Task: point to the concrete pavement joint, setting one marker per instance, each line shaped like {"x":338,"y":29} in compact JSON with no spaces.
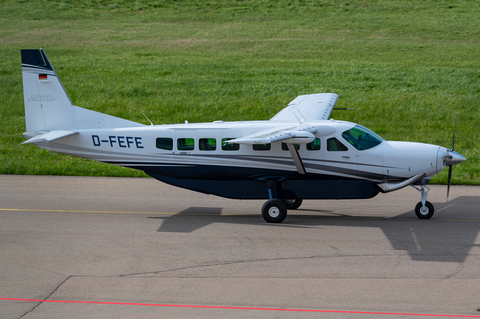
{"x":46,"y":299}
{"x":273,"y":259}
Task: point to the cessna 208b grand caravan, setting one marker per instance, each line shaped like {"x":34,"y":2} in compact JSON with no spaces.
{"x":297,"y":154}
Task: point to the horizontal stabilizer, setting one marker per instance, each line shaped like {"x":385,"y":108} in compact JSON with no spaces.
{"x":50,"y":136}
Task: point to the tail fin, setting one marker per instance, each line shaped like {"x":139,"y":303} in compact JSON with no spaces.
{"x":48,"y":106}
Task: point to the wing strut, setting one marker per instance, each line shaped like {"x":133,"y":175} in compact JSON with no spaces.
{"x":296,"y":158}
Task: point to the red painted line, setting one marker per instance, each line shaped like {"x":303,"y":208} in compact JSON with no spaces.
{"x":242,"y":308}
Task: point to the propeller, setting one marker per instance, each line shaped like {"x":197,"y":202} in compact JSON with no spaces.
{"x":452,"y":158}
{"x":450,"y":168}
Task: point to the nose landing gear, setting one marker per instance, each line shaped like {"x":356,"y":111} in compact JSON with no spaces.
{"x":424,"y":209}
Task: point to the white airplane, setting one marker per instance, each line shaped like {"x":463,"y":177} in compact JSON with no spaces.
{"x":297,"y":154}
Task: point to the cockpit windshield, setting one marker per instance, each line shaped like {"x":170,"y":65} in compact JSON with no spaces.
{"x":362,"y":138}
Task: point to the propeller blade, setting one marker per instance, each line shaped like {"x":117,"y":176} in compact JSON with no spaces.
{"x":449,"y":180}
{"x":451,"y":158}
{"x":453,"y":138}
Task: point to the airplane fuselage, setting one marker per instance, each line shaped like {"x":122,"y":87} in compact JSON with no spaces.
{"x":197,"y":156}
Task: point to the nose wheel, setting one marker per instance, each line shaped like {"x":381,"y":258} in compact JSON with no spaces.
{"x":424,"y":211}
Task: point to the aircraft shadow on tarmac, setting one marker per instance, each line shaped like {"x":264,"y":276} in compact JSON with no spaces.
{"x":447,"y":237}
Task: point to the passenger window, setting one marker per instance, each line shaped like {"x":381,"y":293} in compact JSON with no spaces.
{"x":185,"y":144}
{"x":262,"y":147}
{"x":314,"y":146}
{"x":285,"y":147}
{"x":229,"y":146}
{"x":207,"y":144}
{"x":165,"y":143}
{"x":334,"y":145}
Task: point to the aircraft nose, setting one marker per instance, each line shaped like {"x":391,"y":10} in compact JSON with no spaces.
{"x":453,"y":158}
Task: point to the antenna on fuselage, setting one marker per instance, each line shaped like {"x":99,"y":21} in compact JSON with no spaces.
{"x":343,"y":108}
{"x":148,"y":119}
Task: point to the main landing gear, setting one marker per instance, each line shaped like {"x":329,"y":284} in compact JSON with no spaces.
{"x":275,"y":210}
{"x":424,"y":209}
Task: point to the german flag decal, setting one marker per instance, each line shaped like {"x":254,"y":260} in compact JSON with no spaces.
{"x":42,"y":77}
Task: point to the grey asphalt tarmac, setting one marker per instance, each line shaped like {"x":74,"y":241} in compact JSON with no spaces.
{"x":137,"y":248}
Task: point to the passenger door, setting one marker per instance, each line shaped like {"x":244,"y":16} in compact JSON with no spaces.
{"x":340,"y":158}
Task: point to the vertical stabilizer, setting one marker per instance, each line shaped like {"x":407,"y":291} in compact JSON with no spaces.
{"x":47,"y":105}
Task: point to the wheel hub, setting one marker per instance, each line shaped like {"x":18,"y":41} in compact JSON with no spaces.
{"x":424,"y":210}
{"x":273,"y":212}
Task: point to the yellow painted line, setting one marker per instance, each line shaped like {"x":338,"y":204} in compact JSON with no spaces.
{"x":79,"y":211}
{"x":238,"y":215}
{"x":102,"y":212}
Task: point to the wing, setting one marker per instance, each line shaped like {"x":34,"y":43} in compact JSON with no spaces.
{"x":299,"y":133}
{"x":308,"y":107}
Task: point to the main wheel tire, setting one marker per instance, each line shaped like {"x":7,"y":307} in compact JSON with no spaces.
{"x":274,"y":211}
{"x":293,"y":203}
{"x":424,"y":212}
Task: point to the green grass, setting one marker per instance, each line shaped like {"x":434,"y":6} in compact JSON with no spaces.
{"x":407,"y":67}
